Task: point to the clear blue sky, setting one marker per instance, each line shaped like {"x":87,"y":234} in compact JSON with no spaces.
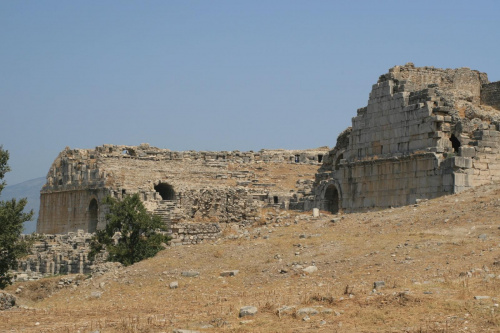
{"x":214,"y":75}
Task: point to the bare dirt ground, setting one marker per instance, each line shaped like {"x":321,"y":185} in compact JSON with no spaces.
{"x":435,"y":259}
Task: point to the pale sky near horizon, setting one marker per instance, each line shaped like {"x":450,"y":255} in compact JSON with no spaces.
{"x":214,"y":75}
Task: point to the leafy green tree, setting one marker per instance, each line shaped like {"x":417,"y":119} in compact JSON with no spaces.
{"x":12,"y":217}
{"x":130,"y":234}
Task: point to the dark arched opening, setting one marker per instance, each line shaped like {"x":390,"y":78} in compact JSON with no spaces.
{"x":93,"y":213}
{"x":332,"y":199}
{"x":166,"y":191}
{"x":455,"y":143}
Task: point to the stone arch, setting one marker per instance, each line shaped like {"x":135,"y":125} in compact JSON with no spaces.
{"x":93,"y":215}
{"x":331,"y":199}
{"x":166,"y":191}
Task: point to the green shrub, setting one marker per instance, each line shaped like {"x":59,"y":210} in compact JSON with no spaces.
{"x":131,"y":232}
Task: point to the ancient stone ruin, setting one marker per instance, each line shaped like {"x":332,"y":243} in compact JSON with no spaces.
{"x":56,"y":254}
{"x":211,"y":187}
{"x":425,"y":132}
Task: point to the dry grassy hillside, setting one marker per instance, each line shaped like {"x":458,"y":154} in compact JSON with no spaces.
{"x":435,"y":259}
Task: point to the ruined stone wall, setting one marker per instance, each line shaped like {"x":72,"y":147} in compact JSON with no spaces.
{"x":219,"y":204}
{"x":391,"y":125}
{"x":194,"y":233}
{"x":490,"y":95}
{"x":56,"y":254}
{"x":393,"y":182}
{"x":203,"y":186}
{"x":67,"y":211}
{"x":407,"y":112}
{"x":482,"y":156}
{"x":423,"y":134}
{"x":68,"y":253}
{"x":460,"y":79}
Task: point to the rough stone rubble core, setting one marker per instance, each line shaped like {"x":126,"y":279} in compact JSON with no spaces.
{"x":425,"y":132}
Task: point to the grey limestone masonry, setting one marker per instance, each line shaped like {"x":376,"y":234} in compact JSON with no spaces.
{"x":425,"y":132}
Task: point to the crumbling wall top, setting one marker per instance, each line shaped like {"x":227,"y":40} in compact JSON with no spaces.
{"x":462,"y":79}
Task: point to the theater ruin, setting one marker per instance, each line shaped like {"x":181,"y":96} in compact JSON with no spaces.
{"x":217,"y":187}
{"x":426,"y":132}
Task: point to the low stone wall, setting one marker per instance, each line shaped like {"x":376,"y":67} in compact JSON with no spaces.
{"x":194,"y":233}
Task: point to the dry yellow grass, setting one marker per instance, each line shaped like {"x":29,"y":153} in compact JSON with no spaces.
{"x":430,"y":256}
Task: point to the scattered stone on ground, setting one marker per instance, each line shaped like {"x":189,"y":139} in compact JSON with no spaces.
{"x":248,"y":311}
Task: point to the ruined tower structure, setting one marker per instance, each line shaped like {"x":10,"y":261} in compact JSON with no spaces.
{"x":425,"y":132}
{"x":217,"y":187}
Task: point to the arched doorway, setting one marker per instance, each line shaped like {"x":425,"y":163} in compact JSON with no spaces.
{"x":93,"y":213}
{"x":332,"y":199}
{"x":166,"y":191}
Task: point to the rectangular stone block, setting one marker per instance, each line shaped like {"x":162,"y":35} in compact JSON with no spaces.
{"x":480,"y":165}
{"x":494,"y":166}
{"x":462,"y":162}
{"x":467,"y":151}
{"x":461,"y":180}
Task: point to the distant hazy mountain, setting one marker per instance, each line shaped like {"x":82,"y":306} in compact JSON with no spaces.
{"x":29,"y":189}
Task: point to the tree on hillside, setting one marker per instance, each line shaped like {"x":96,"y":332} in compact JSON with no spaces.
{"x":130,"y":234}
{"x":12,"y":217}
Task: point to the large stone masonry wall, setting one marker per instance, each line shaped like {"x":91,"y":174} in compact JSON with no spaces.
{"x":400,"y":122}
{"x":490,"y":95}
{"x":425,"y":132}
{"x":67,"y":211}
{"x":393,"y":182}
{"x":400,"y":180}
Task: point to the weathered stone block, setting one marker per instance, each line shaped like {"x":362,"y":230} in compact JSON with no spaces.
{"x":467,"y":151}
{"x":462,"y":162}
